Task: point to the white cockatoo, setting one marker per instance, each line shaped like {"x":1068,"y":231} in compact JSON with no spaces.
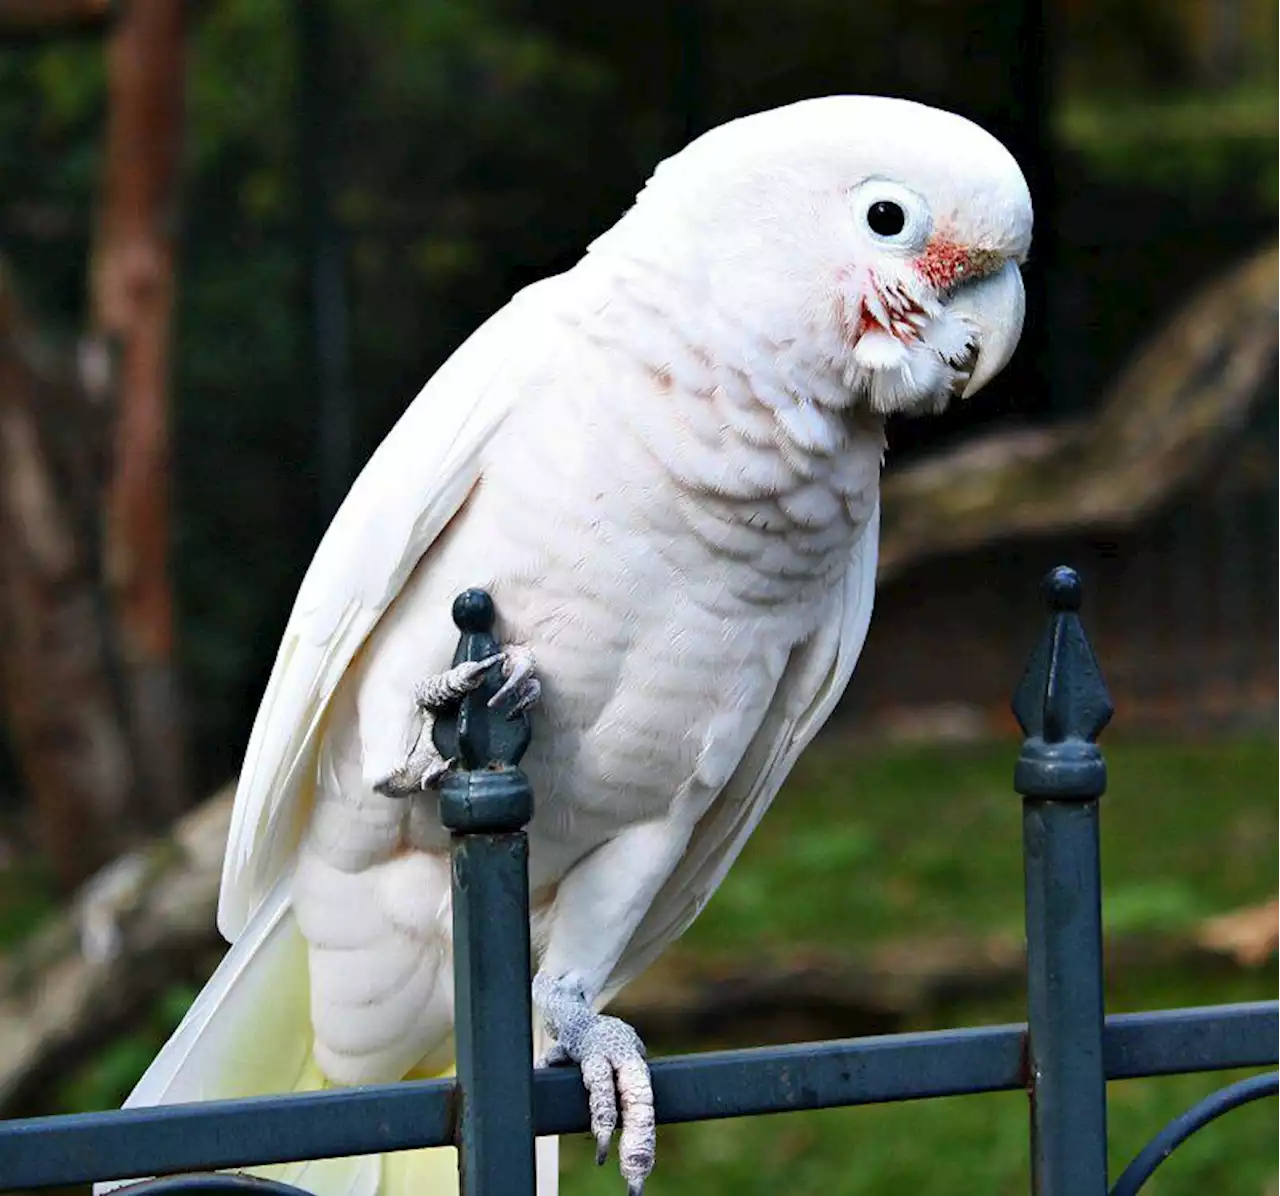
{"x":664,"y":465}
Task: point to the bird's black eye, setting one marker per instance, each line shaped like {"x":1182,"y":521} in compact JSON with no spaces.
{"x":886,"y":218}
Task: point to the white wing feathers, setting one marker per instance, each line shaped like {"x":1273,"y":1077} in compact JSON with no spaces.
{"x":810,"y":687}
{"x":403,"y":499}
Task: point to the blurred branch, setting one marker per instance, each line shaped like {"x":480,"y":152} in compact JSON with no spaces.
{"x":136,"y":927}
{"x":132,"y":301}
{"x":1185,"y":393}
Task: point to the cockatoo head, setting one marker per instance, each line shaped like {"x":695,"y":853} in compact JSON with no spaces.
{"x":876,"y":240}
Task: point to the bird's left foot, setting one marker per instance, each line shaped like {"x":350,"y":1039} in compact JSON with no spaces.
{"x":614,"y":1071}
{"x":425,"y":767}
{"x":520,"y":681}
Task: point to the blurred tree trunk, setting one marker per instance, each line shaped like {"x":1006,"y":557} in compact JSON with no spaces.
{"x":132,"y":301}
{"x":63,"y":709}
{"x":86,"y":622}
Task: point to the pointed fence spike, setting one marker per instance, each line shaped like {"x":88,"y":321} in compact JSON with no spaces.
{"x":1062,"y":703}
{"x":486,"y":791}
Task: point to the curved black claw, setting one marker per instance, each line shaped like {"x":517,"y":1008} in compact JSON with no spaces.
{"x":520,"y":680}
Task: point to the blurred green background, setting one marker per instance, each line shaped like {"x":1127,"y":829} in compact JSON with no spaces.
{"x":435,"y":155}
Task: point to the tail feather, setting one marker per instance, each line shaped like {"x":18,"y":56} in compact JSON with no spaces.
{"x":356,"y":1176}
{"x":248,"y":1033}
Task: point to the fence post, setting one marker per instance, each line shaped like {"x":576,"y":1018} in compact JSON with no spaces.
{"x":1062,"y":705}
{"x":486,"y":802}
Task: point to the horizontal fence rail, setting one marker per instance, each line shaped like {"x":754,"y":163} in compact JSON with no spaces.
{"x":51,"y":1151}
{"x":1062,"y":1057}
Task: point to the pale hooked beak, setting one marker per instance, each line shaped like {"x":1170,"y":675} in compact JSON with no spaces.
{"x":994,"y":307}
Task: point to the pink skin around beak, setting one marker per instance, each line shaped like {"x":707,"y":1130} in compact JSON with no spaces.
{"x":979,"y":286}
{"x":943,"y":264}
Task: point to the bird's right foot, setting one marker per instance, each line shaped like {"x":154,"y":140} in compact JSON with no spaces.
{"x":614,"y":1072}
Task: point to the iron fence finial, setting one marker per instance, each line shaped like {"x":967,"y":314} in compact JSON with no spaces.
{"x":485,"y":802}
{"x":1062,"y":703}
{"x":486,"y":791}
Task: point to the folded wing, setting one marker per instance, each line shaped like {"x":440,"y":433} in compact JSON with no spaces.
{"x":403,"y":499}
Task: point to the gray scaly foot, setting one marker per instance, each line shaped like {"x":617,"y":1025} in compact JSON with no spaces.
{"x":424,"y":766}
{"x":614,"y":1071}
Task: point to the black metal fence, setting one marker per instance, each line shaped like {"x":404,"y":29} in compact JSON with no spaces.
{"x":1063,"y":1057}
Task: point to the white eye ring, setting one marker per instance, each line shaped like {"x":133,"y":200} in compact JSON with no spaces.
{"x":890,"y":214}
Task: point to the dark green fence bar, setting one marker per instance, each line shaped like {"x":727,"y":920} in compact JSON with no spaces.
{"x":1062,"y":705}
{"x":486,"y":802}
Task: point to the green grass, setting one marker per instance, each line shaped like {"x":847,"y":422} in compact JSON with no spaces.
{"x":860,"y":848}
{"x":864,"y":848}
